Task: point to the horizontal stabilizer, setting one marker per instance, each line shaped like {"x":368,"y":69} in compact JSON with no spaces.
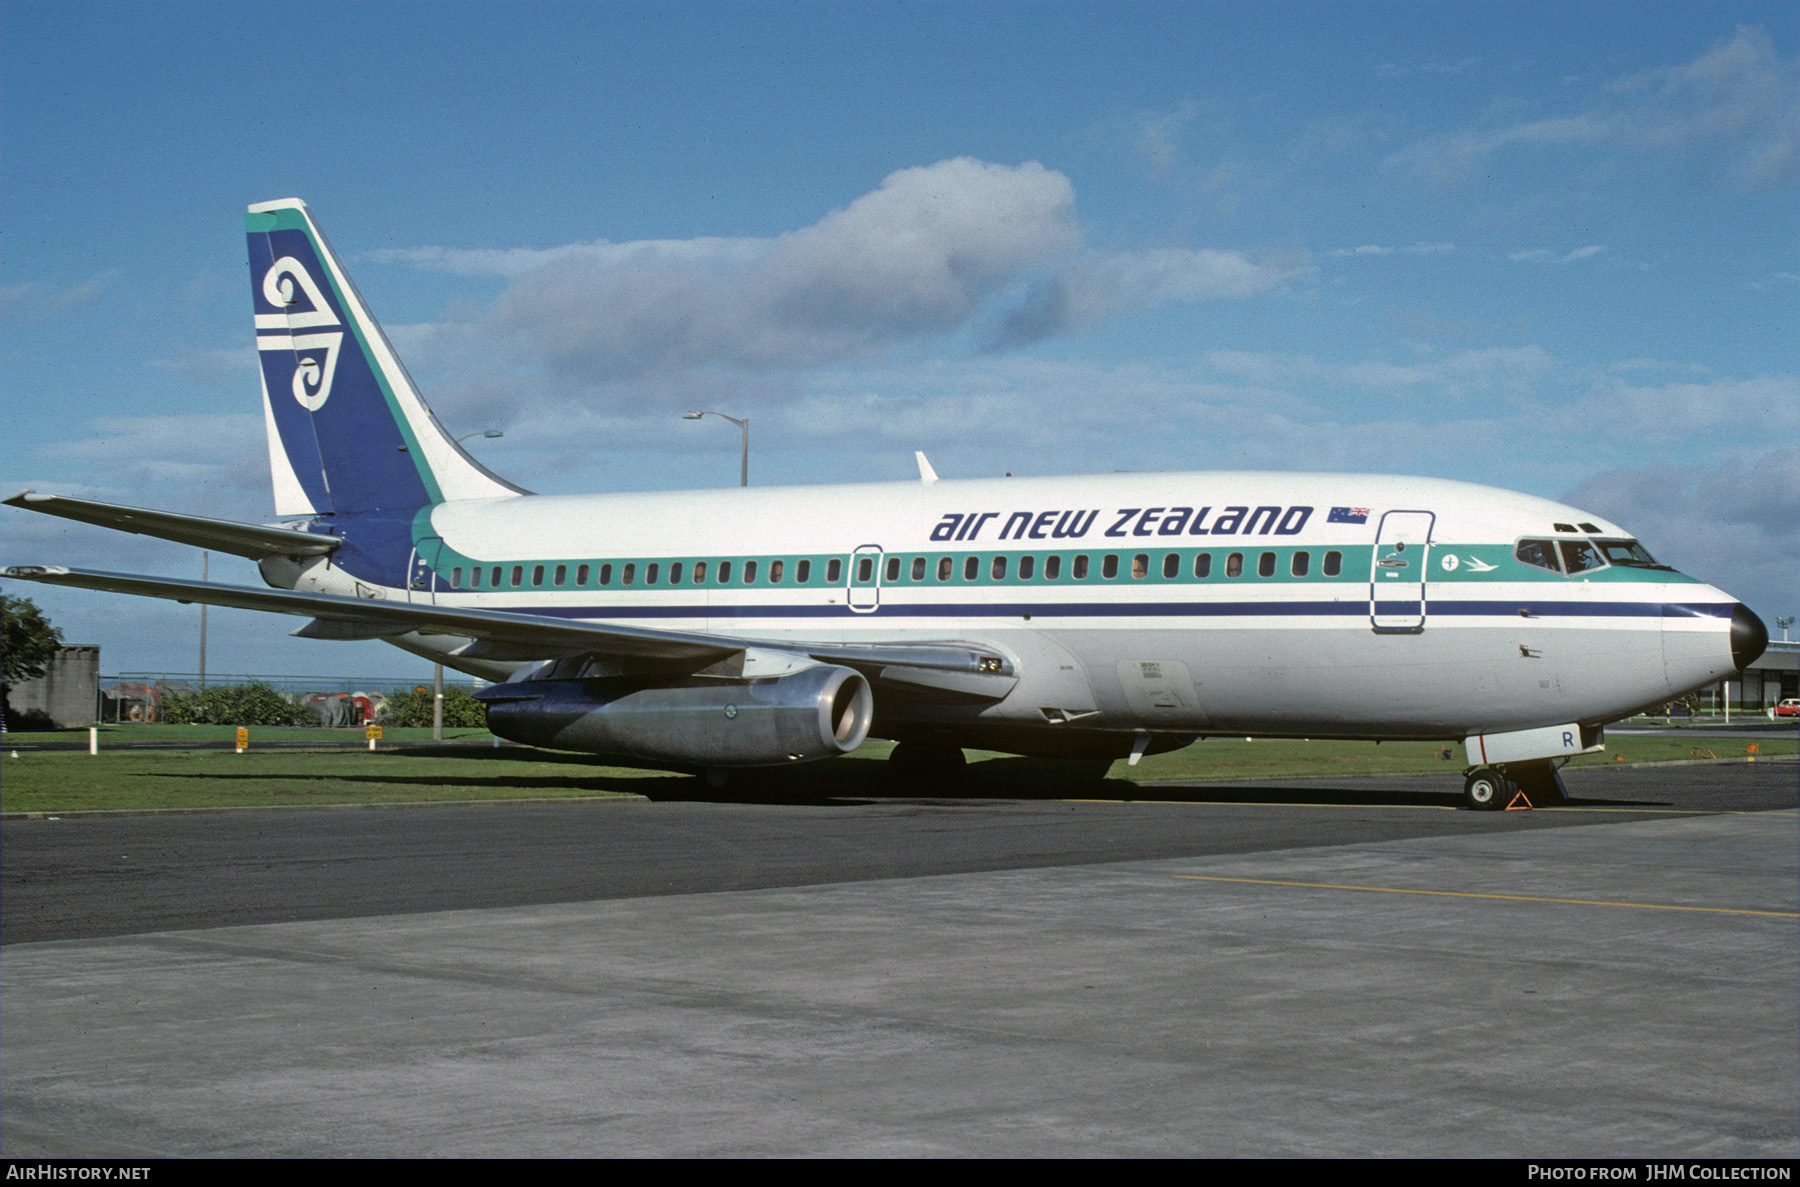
{"x":222,"y":535}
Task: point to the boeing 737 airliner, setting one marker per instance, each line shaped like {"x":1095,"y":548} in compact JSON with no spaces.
{"x":1094,"y":617}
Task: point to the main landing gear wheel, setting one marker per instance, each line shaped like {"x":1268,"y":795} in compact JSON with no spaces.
{"x":1486,"y":790}
{"x":926,"y":767}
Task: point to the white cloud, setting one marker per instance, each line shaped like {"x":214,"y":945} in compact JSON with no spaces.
{"x":178,"y":462}
{"x":1367,"y":249}
{"x":1762,"y":406}
{"x":1736,"y":524}
{"x":932,"y":252}
{"x":33,"y":300}
{"x":1539,"y":255}
{"x":1455,"y":375}
{"x":1737,"y":106}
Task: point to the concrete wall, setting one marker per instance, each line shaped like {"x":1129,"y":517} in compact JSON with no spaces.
{"x":64,"y":693}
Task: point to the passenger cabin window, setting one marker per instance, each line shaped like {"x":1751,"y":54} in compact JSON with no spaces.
{"x":1540,"y":554}
{"x":1052,"y":568}
{"x":775,"y":570}
{"x":494,"y":579}
{"x":1300,"y":564}
{"x":1109,"y":566}
{"x":749,"y":572}
{"x":560,"y":576}
{"x":802,"y":572}
{"x":699,"y":572}
{"x":630,"y":576}
{"x":475,"y":578}
{"x":1265,"y":565}
{"x":945,"y":565}
{"x":893,"y":569}
{"x":518,"y":575}
{"x":1234,"y":565}
{"x":1027,"y":566}
{"x":1334,"y":564}
{"x":1581,"y":555}
{"x":456,"y":577}
{"x":537,"y":574}
{"x":1203,"y":565}
{"x":1079,"y":569}
{"x":605,"y":574}
{"x":971,"y":568}
{"x":1172,"y":565}
{"x":918,"y":568}
{"x":998,"y":569}
{"x":581,"y":575}
{"x":650,"y":572}
{"x":865,"y":568}
{"x":724,"y":572}
{"x":675,"y":573}
{"x":1140,"y":566}
{"x":834,"y":571}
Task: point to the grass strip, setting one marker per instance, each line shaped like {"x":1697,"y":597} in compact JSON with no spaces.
{"x":266,"y":775}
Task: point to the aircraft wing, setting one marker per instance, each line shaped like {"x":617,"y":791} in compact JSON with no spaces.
{"x":223,"y":535}
{"x":952,"y":668}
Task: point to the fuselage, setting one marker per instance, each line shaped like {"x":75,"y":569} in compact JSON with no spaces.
{"x":1267,"y":603}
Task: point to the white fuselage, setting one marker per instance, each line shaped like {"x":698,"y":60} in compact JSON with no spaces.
{"x":1325,"y":605}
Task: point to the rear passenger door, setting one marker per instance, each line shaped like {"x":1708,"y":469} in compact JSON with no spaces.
{"x":862,"y":593}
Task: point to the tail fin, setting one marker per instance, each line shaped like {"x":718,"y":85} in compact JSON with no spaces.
{"x":347,"y":428}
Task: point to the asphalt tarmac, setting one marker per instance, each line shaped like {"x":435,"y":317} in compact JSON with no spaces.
{"x":1283,"y":967}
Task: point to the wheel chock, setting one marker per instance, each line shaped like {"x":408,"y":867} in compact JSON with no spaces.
{"x":1520,"y":803}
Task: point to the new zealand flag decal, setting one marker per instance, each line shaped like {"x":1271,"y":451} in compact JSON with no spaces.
{"x":1348,"y":515}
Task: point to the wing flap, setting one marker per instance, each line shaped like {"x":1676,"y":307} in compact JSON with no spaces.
{"x":255,"y":541}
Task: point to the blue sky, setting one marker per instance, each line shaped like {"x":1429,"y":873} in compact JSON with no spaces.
{"x":1548,"y":247}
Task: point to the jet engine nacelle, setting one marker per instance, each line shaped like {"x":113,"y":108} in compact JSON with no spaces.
{"x":817,"y":712}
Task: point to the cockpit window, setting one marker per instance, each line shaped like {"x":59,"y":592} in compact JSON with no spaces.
{"x":1629,"y":553}
{"x":1537,"y":553}
{"x":1581,"y":555}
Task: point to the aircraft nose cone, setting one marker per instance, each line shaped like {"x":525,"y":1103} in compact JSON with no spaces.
{"x":1749,"y":637}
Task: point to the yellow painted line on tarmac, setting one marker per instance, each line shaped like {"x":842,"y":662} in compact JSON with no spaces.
{"x":1263,"y":804}
{"x":1521,"y":898}
{"x":1436,"y":807}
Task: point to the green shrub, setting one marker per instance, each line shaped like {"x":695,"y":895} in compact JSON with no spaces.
{"x":413,"y":707}
{"x":243,"y":704}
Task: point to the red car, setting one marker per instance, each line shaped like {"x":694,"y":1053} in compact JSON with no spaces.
{"x":1788,"y":708}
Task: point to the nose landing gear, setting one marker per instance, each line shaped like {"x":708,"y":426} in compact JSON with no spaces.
{"x":1486,"y":790}
{"x":1491,"y":789}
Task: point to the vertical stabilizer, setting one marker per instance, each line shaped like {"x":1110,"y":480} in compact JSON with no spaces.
{"x":348,"y":431}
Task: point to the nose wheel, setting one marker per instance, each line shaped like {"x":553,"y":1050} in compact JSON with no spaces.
{"x":1487,"y":790}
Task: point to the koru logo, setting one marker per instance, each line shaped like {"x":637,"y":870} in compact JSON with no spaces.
{"x":288,"y":286}
{"x":1449,"y":562}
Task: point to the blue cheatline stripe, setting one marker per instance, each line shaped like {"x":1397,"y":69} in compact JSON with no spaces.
{"x":1357,"y":609}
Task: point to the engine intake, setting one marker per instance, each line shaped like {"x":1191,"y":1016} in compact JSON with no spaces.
{"x":815,"y":713}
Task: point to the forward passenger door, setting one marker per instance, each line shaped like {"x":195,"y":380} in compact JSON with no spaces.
{"x":1397,"y":571}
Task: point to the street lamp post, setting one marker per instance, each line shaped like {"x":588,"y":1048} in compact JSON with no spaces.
{"x":744,"y":462}
{"x":482,"y":433}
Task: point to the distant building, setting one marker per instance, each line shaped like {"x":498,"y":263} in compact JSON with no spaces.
{"x":1774,"y":677}
{"x":64,"y":696}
